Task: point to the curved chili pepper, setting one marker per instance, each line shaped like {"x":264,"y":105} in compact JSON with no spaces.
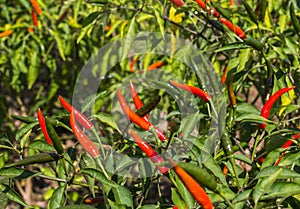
{"x":265,"y":111}
{"x":224,"y":76}
{"x":194,"y":90}
{"x":155,"y":65}
{"x":234,"y":28}
{"x":286,"y":145}
{"x":43,"y":126}
{"x":194,"y":188}
{"x":231,"y":91}
{"x":82,"y":119}
{"x":135,"y":118}
{"x":34,"y":18}
{"x":177,"y":3}
{"x":149,"y":151}
{"x":36,"y":6}
{"x":136,"y":99}
{"x":6,"y":33}
{"x":83,"y":139}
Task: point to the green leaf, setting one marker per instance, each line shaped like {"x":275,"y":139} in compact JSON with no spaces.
{"x":98,"y":175}
{"x":89,"y":19}
{"x":122,"y":196}
{"x":238,"y":45}
{"x":107,"y":119}
{"x":129,"y":39}
{"x":289,"y":159}
{"x":263,"y":185}
{"x":91,"y":100}
{"x":176,"y":199}
{"x":285,"y":174}
{"x":18,"y":173}
{"x":12,"y":195}
{"x":25,"y":129}
{"x":58,"y":198}
{"x":160,"y":22}
{"x":282,"y":189}
{"x":77,"y":207}
{"x":242,"y":196}
{"x":3,"y":197}
{"x":59,"y":42}
{"x":33,"y":70}
{"x":149,"y":207}
{"x":86,"y":161}
{"x":41,"y":146}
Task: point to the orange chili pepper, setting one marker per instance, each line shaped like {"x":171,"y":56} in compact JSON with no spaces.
{"x":136,"y":99}
{"x":36,"y":6}
{"x":135,"y":118}
{"x":156,"y":65}
{"x":34,"y":18}
{"x":149,"y":151}
{"x":132,"y":63}
{"x":30,"y":29}
{"x":194,"y":90}
{"x":234,"y":28}
{"x":224,"y":76}
{"x":194,"y":188}
{"x":231,"y":2}
{"x":6,"y":33}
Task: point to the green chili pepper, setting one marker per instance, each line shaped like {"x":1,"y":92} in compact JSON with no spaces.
{"x":37,"y":158}
{"x":25,"y":119}
{"x":201,"y":175}
{"x":54,"y":138}
{"x":226,"y":144}
{"x":263,"y":8}
{"x":254,"y":44}
{"x":250,"y":12}
{"x":294,"y":18}
{"x":222,"y":11}
{"x":148,"y":107}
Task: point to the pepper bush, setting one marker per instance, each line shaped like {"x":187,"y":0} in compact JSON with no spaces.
{"x":222,"y":132}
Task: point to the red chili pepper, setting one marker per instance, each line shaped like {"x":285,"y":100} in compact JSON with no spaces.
{"x":194,"y":90}
{"x":136,"y":99}
{"x":42,"y":123}
{"x":83,"y":139}
{"x":231,"y":2}
{"x":204,"y":6}
{"x":34,"y":18}
{"x":224,"y":76}
{"x":149,"y":151}
{"x":287,"y":144}
{"x":194,"y":188}
{"x":234,"y":28}
{"x":135,"y":118}
{"x":261,"y":159}
{"x":5,"y":33}
{"x":177,"y":3}
{"x":82,"y":119}
{"x":62,"y":17}
{"x":265,"y":111}
{"x":156,"y":65}
{"x":36,"y":6}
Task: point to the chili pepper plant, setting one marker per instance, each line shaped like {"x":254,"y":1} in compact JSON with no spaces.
{"x":161,"y":131}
